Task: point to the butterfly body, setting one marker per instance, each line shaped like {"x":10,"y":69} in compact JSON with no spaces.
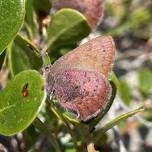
{"x":79,"y":80}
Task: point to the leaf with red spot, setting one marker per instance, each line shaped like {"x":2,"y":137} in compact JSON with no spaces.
{"x":20,"y":102}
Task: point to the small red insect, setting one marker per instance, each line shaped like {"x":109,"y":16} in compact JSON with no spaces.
{"x":25,"y":90}
{"x":79,"y":79}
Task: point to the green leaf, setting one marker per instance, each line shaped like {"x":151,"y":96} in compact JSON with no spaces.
{"x":123,"y":89}
{"x":145,"y":80}
{"x":67,"y":27}
{"x":30,"y":20}
{"x":21,"y":101}
{"x":124,"y":92}
{"x":23,"y":55}
{"x":11,"y":19}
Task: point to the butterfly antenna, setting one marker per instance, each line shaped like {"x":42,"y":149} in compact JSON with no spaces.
{"x":45,"y":56}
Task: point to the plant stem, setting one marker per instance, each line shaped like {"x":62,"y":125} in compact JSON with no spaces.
{"x":38,"y":124}
{"x":45,"y":56}
{"x":115,"y":121}
{"x":65,"y":121}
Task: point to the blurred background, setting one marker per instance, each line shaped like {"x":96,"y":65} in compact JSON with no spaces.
{"x":130,"y":24}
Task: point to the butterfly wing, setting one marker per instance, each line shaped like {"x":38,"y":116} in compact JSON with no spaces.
{"x":95,"y":55}
{"x":84,"y":93}
{"x":79,"y":78}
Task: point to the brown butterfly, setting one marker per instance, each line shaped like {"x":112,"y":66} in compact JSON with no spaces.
{"x":79,"y":79}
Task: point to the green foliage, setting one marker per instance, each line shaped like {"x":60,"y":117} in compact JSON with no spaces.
{"x":138,"y":17}
{"x":23,"y":55}
{"x":116,"y":11}
{"x":19,"y":104}
{"x":126,"y":23}
{"x":99,"y":133}
{"x":66,"y":28}
{"x":122,"y":88}
{"x":11,"y":18}
{"x":124,"y":92}
{"x":148,"y":115}
{"x":30,"y":21}
{"x":145,"y":80}
{"x":35,"y":13}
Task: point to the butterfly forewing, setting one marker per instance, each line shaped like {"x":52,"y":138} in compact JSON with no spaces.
{"x":95,"y":55}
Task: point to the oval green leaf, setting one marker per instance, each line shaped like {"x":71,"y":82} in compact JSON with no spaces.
{"x":21,"y":101}
{"x":23,"y":55}
{"x":11,"y":19}
{"x":67,"y":27}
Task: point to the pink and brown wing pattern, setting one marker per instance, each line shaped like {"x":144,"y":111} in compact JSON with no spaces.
{"x":79,"y":79}
{"x":85,"y":93}
{"x":95,"y":55}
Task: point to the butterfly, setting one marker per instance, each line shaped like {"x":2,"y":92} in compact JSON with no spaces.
{"x":79,"y":79}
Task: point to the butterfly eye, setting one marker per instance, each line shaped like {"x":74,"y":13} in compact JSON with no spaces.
{"x":46,"y":68}
{"x":46,"y":71}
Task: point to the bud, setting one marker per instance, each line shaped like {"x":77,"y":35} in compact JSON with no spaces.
{"x":79,"y":79}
